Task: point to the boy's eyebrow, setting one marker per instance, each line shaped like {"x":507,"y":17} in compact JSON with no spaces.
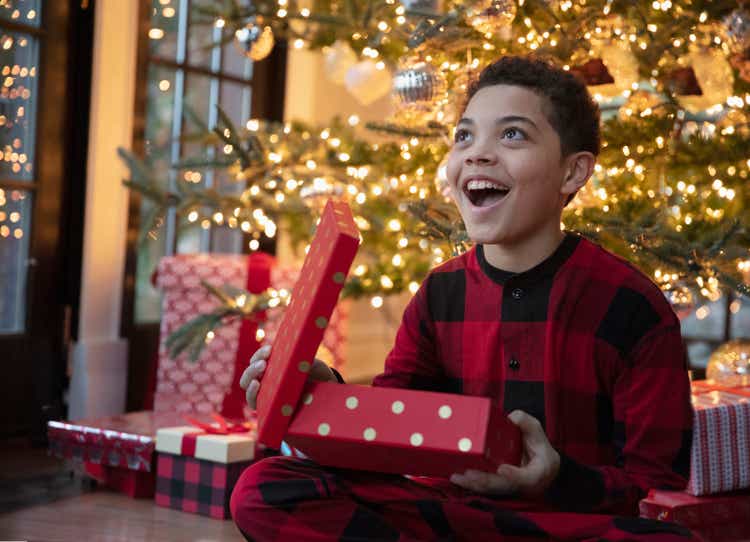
{"x":503,"y":120}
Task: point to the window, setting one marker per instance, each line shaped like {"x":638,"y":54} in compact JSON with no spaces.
{"x":19,"y":58}
{"x":189,"y":72}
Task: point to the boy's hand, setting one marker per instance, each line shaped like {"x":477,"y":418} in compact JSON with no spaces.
{"x":539,"y":465}
{"x":250,"y":379}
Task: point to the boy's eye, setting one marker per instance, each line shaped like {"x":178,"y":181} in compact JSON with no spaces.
{"x":513,"y":133}
{"x":461,"y":135}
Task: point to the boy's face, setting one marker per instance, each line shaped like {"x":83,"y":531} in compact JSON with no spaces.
{"x":505,"y":168}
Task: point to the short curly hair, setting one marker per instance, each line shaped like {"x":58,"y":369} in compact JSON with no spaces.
{"x":569,"y":108}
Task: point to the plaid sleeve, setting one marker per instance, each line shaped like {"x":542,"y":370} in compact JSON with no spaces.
{"x":413,"y":361}
{"x":652,"y":436}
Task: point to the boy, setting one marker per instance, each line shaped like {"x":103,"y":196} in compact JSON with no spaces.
{"x":581,"y":348}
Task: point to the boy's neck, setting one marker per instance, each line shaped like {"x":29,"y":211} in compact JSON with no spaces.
{"x":525,"y":255}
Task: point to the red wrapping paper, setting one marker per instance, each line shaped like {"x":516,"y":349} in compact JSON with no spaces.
{"x":402,"y":431}
{"x":715,"y":518}
{"x":305,"y":320}
{"x":125,"y":441}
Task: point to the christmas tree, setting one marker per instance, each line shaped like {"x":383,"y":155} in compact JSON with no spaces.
{"x":670,"y":188}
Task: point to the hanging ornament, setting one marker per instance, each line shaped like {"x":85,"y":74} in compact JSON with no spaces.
{"x":736,"y":30}
{"x":729,"y":365}
{"x":418,"y":89}
{"x":593,"y":73}
{"x":441,"y":179}
{"x":712,"y":73}
{"x":337,"y":59}
{"x":491,"y":16}
{"x":367,"y":82}
{"x":255,"y":41}
{"x":641,"y":103}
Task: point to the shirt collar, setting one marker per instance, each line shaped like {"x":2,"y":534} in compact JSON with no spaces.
{"x":544,"y":269}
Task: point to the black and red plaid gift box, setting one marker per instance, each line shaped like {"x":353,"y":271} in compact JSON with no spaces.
{"x":198,"y":466}
{"x":196,"y":485}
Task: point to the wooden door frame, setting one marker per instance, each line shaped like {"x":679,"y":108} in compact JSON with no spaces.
{"x":39,"y":355}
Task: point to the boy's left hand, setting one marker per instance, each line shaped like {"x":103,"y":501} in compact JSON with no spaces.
{"x":539,"y":465}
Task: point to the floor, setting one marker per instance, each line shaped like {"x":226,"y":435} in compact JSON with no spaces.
{"x":43,"y":498}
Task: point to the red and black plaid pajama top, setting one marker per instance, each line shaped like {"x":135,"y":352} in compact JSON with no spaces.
{"x":584,"y":342}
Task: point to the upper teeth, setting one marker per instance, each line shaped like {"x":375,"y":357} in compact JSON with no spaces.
{"x":480,"y":185}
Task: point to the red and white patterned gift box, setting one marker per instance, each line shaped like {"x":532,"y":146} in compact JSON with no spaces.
{"x":720,"y":457}
{"x":210,"y":385}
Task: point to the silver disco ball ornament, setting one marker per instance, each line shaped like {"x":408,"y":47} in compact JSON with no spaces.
{"x":255,"y":41}
{"x":729,"y":365}
{"x":419,"y":86}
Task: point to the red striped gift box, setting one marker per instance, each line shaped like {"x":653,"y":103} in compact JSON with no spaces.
{"x":720,"y":459}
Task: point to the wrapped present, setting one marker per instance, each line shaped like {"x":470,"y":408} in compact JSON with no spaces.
{"x":305,"y":320}
{"x":720,"y":456}
{"x":402,"y":431}
{"x":715,"y":517}
{"x":118,"y":451}
{"x":197,"y":467}
{"x":391,"y":430}
{"x":210,"y":385}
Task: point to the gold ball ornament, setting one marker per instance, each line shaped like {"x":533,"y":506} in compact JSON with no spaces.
{"x":714,"y":75}
{"x":490,"y":16}
{"x":255,"y":41}
{"x":641,"y":103}
{"x":729,"y":365}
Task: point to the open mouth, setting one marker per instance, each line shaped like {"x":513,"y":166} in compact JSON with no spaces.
{"x":483,"y":193}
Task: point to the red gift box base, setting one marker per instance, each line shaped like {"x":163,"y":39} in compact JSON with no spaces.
{"x":715,"y":518}
{"x":195,"y":485}
{"x":356,"y":427}
{"x":135,"y":484}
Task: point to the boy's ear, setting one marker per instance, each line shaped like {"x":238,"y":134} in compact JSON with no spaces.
{"x":579,"y":169}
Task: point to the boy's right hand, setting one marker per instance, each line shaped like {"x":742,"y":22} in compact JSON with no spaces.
{"x":250,"y":379}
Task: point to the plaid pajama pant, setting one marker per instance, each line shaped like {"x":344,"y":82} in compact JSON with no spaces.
{"x":291,"y":499}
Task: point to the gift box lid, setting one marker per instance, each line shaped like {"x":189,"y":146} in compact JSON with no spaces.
{"x":195,"y":442}
{"x":301,"y":330}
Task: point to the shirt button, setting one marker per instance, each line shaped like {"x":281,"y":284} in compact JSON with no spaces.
{"x":514,"y":364}
{"x":517,"y":293}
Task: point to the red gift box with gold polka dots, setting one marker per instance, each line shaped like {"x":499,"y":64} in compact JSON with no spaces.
{"x":301,"y":330}
{"x":402,"y":431}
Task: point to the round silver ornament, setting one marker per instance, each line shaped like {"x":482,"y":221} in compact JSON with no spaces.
{"x":419,"y":86}
{"x":255,"y":41}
